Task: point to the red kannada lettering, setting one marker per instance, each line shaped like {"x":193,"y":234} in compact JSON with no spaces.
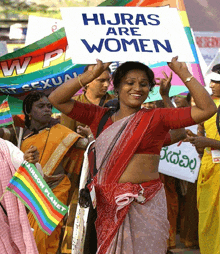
{"x":208,"y":42}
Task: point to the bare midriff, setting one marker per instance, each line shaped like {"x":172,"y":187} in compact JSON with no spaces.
{"x":141,"y":168}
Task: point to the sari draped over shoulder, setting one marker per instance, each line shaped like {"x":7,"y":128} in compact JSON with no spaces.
{"x":208,"y":196}
{"x":55,"y":146}
{"x":130,"y":217}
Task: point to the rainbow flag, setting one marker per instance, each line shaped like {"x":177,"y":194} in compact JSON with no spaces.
{"x":184,"y":95}
{"x":5,"y":115}
{"x":43,"y":65}
{"x":29,"y":186}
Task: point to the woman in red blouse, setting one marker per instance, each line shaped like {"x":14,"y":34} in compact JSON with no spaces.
{"x":131,"y":204}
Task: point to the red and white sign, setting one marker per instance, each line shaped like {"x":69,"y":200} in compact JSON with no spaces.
{"x":208,"y":43}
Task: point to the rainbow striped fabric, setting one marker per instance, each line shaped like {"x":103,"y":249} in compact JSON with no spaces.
{"x":5,"y":115}
{"x":42,"y":65}
{"x":29,"y":186}
{"x":184,"y":95}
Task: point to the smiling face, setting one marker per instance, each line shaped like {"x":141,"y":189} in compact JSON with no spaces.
{"x":215,"y":86}
{"x":41,"y":111}
{"x":133,"y":89}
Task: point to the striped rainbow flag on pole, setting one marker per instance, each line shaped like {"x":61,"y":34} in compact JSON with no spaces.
{"x":5,"y":115}
{"x":30,"y":187}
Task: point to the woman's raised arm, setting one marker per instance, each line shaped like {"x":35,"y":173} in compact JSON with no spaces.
{"x":205,"y":106}
{"x":61,"y":98}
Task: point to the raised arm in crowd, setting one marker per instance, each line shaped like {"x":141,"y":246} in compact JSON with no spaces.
{"x":204,"y":107}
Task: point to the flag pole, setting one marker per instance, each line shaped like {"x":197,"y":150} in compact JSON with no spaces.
{"x":15,"y":131}
{"x":13,"y":125}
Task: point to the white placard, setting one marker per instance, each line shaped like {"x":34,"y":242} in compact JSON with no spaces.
{"x":208,"y":43}
{"x":145,"y":34}
{"x":3,"y":48}
{"x":40,"y":27}
{"x":180,"y":161}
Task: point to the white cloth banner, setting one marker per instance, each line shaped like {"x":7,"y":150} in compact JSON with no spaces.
{"x":40,"y":27}
{"x":180,"y":161}
{"x":145,"y":34}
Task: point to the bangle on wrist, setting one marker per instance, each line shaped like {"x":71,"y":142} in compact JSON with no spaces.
{"x":188,"y":79}
{"x":80,"y":82}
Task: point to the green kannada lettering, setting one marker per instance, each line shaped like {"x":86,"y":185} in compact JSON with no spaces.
{"x":167,"y":159}
{"x":194,"y":166}
{"x":174,"y":158}
{"x":181,"y":163}
{"x":164,"y":151}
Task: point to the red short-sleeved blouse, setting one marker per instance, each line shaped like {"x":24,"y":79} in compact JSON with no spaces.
{"x":155,"y":137}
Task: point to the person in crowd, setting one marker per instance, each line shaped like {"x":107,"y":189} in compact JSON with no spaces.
{"x":96,"y":93}
{"x":60,"y":155}
{"x":151,"y":104}
{"x":182,"y":100}
{"x":207,"y":142}
{"x":131,"y":202}
{"x":187,"y":193}
{"x":172,"y":137}
{"x":169,"y":181}
{"x":171,"y":194}
{"x":16,"y":235}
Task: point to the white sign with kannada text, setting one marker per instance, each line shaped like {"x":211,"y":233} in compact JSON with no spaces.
{"x":180,"y":160}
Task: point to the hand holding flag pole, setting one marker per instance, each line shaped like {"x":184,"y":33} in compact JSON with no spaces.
{"x":30,"y":187}
{"x":5,"y":115}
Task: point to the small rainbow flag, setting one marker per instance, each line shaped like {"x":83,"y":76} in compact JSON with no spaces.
{"x":5,"y":115}
{"x":30,"y":187}
{"x":184,"y":94}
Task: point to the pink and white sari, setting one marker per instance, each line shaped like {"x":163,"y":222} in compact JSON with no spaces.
{"x":132,"y":218}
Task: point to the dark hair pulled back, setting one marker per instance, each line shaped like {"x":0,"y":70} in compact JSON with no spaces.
{"x":28,"y":103}
{"x":124,"y":68}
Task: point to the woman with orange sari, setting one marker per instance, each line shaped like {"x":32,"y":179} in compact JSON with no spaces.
{"x":131,"y":202}
{"x":60,"y":156}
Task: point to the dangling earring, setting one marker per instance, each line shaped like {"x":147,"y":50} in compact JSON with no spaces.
{"x":116,"y":94}
{"x":29,"y":117}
